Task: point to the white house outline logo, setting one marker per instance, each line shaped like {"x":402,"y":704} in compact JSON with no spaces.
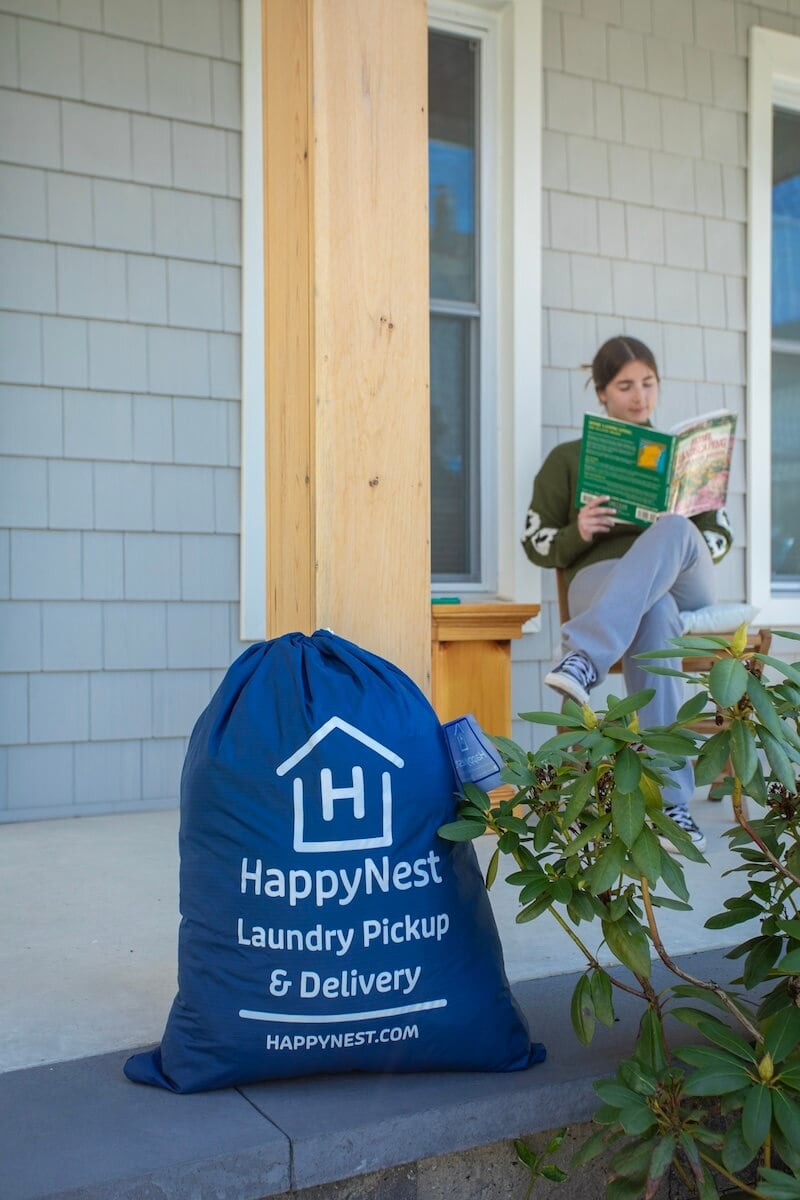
{"x":330,"y":795}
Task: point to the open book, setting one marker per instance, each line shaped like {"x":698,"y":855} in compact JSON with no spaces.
{"x":646,"y":472}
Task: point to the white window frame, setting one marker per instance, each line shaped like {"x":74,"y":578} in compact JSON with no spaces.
{"x":515,"y":357}
{"x":774,"y":79}
{"x":481,"y":25}
{"x":510,"y":274}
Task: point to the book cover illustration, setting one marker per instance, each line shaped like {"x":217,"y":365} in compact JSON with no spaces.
{"x":646,"y":472}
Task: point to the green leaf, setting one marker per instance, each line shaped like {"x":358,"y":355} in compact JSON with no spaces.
{"x":627,"y":810}
{"x":491,"y":870}
{"x":776,"y":1185}
{"x":646,"y":853}
{"x":580,"y":908}
{"x":743,"y":750}
{"x":668,"y":902}
{"x":707,"y":1189}
{"x":461,"y":831}
{"x":761,"y":700}
{"x":786,"y":1112}
{"x":592,"y":830}
{"x":602,"y":996}
{"x":562,"y":890}
{"x":790,"y":672}
{"x":756,"y":1115}
{"x":553,"y":1173}
{"x":650,"y":1042}
{"x":638,"y":1077}
{"x":778,"y":759}
{"x":477,"y":796}
{"x":628,"y":943}
{"x":692,"y":1152}
{"x":659,"y":1163}
{"x":624,"y":1189}
{"x":692,"y":708}
{"x":579,"y":797}
{"x":679,"y":838}
{"x":526,"y":1156}
{"x":627,"y":770}
{"x":534,"y":910}
{"x":632,"y":1159}
{"x":761,"y":960}
{"x":716,"y":1081}
{"x":606,"y":871}
{"x":590,"y":1149}
{"x":783,"y":1032}
{"x":790,"y":963}
{"x":787,"y":1150}
{"x":713,"y":758}
{"x":673,"y":744}
{"x":722,"y":1036}
{"x":613,"y":1093}
{"x":549,"y":718}
{"x":736,"y":1154}
{"x":582,"y":1011}
{"x":630,"y":704}
{"x":636,"y":1119}
{"x":556,"y":1141}
{"x":672,"y":874}
{"x":727,"y":681}
{"x":665,"y":670}
{"x":712,"y":1057}
{"x":735,"y":916}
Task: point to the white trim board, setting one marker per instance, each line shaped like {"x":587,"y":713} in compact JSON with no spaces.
{"x":774,"y":77}
{"x":253,"y":494}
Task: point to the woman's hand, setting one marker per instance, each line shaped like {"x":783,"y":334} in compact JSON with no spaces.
{"x":595,"y":517}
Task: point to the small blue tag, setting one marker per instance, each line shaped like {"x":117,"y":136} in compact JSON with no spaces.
{"x":474,"y":757}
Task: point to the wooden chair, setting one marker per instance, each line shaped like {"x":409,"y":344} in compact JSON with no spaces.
{"x":758,"y":641}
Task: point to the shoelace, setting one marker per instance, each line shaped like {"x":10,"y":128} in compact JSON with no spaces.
{"x":681,"y":818}
{"x":580,"y":668}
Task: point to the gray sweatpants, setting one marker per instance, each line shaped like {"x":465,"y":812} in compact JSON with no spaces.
{"x":624,"y":606}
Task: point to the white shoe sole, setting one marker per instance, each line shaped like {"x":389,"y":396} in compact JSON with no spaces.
{"x":567,"y":686}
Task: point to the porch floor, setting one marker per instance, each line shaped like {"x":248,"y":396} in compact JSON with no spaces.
{"x":87,"y":959}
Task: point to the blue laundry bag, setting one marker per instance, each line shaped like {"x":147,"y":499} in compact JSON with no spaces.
{"x":325,"y":925}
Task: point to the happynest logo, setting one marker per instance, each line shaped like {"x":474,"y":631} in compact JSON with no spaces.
{"x":344,"y":803}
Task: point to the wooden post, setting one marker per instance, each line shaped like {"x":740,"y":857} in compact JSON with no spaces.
{"x":346,"y":323}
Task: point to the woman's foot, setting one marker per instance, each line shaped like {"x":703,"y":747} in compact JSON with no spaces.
{"x":574,"y":676}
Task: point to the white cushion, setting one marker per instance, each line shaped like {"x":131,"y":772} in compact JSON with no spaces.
{"x":718,"y":618}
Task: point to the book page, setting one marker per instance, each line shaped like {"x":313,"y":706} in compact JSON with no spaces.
{"x":702,"y":463}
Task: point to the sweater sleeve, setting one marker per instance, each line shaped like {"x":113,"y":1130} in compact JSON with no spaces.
{"x":551,"y":537}
{"x":716,"y":529}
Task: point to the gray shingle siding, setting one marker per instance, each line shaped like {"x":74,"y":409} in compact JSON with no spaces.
{"x":644,"y":157}
{"x":119,"y":392}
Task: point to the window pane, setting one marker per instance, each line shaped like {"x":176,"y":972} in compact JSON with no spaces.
{"x":452,"y":154}
{"x":454,"y":441}
{"x":786,"y":226}
{"x":785,"y":473}
{"x":786,"y":351}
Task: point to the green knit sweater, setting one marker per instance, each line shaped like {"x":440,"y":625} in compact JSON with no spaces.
{"x":551,"y":537}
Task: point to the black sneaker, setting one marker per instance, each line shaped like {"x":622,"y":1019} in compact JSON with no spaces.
{"x":685,"y":822}
{"x":574,"y":677}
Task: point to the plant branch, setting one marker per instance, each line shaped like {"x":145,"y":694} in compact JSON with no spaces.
{"x":593,"y":961}
{"x":668,"y":962}
{"x":738,"y":812}
{"x":718,"y":1167}
{"x":687,"y":1180}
